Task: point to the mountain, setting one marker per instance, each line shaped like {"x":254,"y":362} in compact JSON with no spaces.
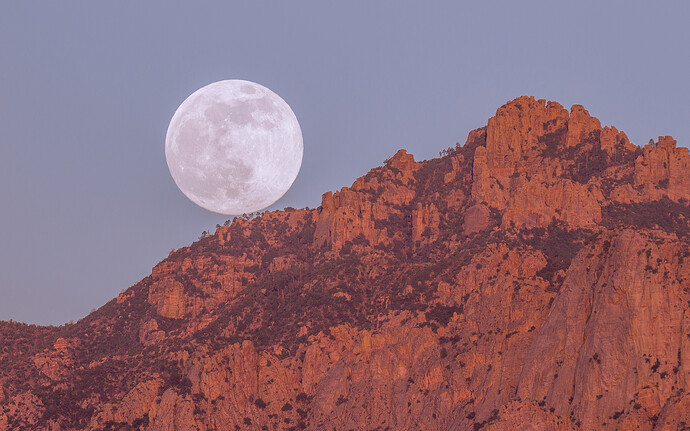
{"x":537,"y":277}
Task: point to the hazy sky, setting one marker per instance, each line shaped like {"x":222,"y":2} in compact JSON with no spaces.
{"x":87,"y":90}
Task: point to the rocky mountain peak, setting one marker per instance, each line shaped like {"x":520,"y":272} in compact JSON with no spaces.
{"x":539,"y":274}
{"x":402,"y":161}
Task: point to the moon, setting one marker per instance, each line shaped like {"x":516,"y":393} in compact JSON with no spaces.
{"x":234,"y":147}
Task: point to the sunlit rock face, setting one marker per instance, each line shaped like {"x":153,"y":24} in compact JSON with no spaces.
{"x":537,"y":277}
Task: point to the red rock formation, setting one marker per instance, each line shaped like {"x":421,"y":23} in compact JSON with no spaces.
{"x":425,"y":222}
{"x":477,"y":218}
{"x":664,"y":170}
{"x":516,"y":171}
{"x":537,"y":277}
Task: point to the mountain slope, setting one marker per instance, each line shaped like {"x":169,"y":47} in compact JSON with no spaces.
{"x":538,"y":274}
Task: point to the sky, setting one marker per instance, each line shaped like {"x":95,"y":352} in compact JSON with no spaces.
{"x":87,"y":90}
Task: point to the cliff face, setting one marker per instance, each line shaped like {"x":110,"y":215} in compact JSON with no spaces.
{"x":537,"y":277}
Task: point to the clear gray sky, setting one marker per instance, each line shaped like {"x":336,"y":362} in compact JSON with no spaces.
{"x":87,"y":90}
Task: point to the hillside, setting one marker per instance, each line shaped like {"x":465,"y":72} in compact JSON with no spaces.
{"x":538,"y":275}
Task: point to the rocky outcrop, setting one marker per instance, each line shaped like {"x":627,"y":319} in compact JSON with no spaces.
{"x":139,"y":405}
{"x":534,"y":205}
{"x":353,"y":212}
{"x":56,"y":362}
{"x":614,"y":337}
{"x":516,"y":173}
{"x":664,"y":170}
{"x":425,"y":222}
{"x":344,"y":216}
{"x":477,"y":218}
{"x":192,"y":285}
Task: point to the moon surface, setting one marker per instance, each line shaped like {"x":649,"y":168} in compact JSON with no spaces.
{"x":234,"y":147}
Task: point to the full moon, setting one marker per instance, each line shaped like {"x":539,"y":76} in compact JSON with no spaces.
{"x":234,"y":147}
